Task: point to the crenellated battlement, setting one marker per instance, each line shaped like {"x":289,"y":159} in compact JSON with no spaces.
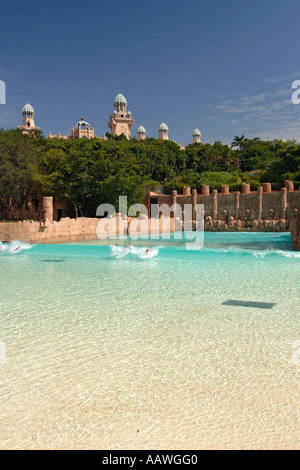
{"x":246,"y":210}
{"x":263,"y":210}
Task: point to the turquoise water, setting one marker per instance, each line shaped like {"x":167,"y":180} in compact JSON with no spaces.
{"x":109,"y":348}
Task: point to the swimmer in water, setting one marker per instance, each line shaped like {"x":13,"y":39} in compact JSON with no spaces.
{"x":17,"y":248}
{"x":148,"y":251}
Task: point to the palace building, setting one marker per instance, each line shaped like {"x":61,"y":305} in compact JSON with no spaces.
{"x":163,"y":132}
{"x":196,"y":137}
{"x":141,"y":132}
{"x":28,"y":119}
{"x":81,"y":130}
{"x":120,"y":122}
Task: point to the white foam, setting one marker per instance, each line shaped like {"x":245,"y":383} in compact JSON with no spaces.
{"x":256,"y":253}
{"x":14,"y":247}
{"x":285,"y":254}
{"x":141,"y":252}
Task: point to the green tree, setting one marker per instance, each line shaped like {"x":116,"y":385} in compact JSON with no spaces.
{"x":19,"y":161}
{"x":238,"y":142}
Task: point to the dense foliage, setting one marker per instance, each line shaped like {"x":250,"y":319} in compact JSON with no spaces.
{"x":20,"y":158}
{"x":90,"y":172}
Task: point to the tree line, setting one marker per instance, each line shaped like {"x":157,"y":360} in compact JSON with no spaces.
{"x":91,"y":172}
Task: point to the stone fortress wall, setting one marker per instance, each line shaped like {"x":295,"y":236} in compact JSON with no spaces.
{"x":66,"y":230}
{"x":261,"y":210}
{"x":50,"y":231}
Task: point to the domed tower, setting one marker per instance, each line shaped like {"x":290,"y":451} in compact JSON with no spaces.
{"x":28,"y":119}
{"x":196,"y":137}
{"x":120,"y":103}
{"x":141,"y":132}
{"x":163,"y":132}
{"x":121,"y":120}
{"x":82,"y":130}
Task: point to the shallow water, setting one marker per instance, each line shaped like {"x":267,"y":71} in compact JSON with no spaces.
{"x":108,"y":351}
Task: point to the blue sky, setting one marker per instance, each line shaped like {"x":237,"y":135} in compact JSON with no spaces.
{"x":225,"y":67}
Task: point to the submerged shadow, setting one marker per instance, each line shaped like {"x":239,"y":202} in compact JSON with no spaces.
{"x":242,"y":303}
{"x":53,"y":260}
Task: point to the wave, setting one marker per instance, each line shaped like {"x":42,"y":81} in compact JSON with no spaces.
{"x":257,"y":253}
{"x":142,"y":253}
{"x":286,"y":254}
{"x":132,"y":251}
{"x":14,"y":247}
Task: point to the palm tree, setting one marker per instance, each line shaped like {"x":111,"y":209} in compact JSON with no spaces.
{"x":237,"y":141}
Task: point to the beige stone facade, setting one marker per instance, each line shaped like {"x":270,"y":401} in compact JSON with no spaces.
{"x":81,"y":130}
{"x":141,"y":132}
{"x":196,"y":137}
{"x":262,"y":210}
{"x":163,"y":132}
{"x":28,"y":124}
{"x":121,"y":120}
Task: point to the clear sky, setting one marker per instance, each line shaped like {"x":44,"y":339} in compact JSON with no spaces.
{"x":225,"y":67}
